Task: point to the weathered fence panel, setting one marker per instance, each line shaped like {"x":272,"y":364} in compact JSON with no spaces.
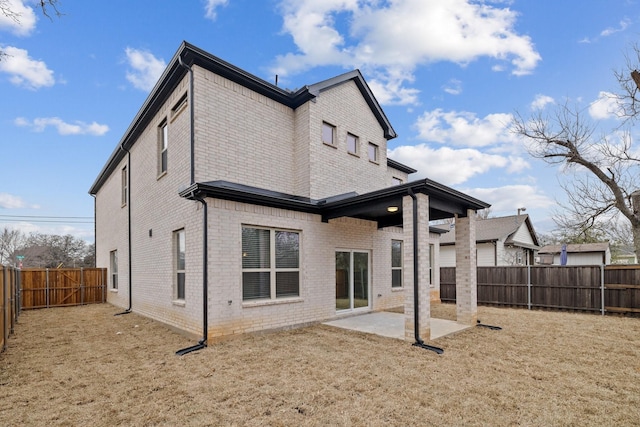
{"x":584,"y":288}
{"x":42,"y":288}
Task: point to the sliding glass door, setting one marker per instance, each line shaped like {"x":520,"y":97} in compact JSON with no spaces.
{"x":352,"y":280}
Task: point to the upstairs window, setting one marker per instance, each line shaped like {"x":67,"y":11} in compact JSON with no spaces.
{"x":125,"y":186}
{"x":396,"y":181}
{"x":163,"y":143}
{"x":328,"y":134}
{"x":352,"y":144}
{"x":373,"y":152}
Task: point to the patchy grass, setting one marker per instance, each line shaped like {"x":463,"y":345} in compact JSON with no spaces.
{"x":83,"y":366}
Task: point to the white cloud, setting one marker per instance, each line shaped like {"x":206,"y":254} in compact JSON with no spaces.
{"x":453,"y":87}
{"x":464,"y":128}
{"x":393,"y":38}
{"x":23,"y":20}
{"x":210,"y":7}
{"x":541,"y":101}
{"x":24,"y":70}
{"x":622,"y":26}
{"x":505,"y":200}
{"x":605,"y":107}
{"x":446,"y":165}
{"x":77,"y":128}
{"x":9,"y":201}
{"x":146,"y":68}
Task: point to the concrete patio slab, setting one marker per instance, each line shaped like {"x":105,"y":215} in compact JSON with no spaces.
{"x":392,"y":325}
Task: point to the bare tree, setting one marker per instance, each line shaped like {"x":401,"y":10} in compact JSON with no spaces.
{"x":606,"y":167}
{"x":10,"y":241}
{"x":47,"y":7}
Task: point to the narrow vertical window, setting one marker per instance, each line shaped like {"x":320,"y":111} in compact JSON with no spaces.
{"x":125,"y":186}
{"x":373,"y":152}
{"x":180,"y":252}
{"x":396,"y":263}
{"x":352,"y":144}
{"x":163,"y":143}
{"x":431,"y":262}
{"x":113,"y":261}
{"x":328,"y":133}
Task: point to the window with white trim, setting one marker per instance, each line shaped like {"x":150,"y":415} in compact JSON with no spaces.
{"x":352,"y":144}
{"x":180,"y":249}
{"x":328,"y":133}
{"x":270,"y":263}
{"x":113,"y":262}
{"x":396,"y":263}
{"x":163,"y":144}
{"x":396,"y":181}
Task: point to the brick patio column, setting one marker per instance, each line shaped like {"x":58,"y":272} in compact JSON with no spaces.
{"x":424,"y":304}
{"x":466,"y":269}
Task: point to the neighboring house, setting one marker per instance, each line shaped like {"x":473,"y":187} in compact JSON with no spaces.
{"x":508,"y":240}
{"x":231,"y":205}
{"x":577,"y":254}
{"x":623,"y":255}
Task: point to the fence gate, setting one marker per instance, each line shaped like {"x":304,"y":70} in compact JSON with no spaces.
{"x":60,"y":287}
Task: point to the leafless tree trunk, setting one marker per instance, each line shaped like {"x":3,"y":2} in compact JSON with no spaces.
{"x":567,"y":137}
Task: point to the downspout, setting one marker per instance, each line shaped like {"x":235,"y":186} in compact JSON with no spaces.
{"x":205,"y":283}
{"x":416,"y":318}
{"x":192,"y":138}
{"x":128,"y":310}
{"x":205,"y":232}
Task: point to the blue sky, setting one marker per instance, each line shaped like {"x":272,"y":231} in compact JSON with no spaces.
{"x":449,"y":74}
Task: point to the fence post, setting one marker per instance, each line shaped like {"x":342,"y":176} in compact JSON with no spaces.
{"x":47,"y":287}
{"x":18,"y":293}
{"x":602,"y":289}
{"x":529,"y":287}
{"x":81,"y":286}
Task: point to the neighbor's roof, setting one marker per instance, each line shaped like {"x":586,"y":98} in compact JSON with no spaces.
{"x":493,"y":229}
{"x":575,"y":248}
{"x":189,"y":55}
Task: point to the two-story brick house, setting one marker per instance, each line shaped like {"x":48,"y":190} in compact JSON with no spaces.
{"x":231,"y":205}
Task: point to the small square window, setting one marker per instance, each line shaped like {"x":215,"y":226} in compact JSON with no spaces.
{"x":328,"y":133}
{"x":373,"y":152}
{"x":352,"y":144}
{"x":396,"y":181}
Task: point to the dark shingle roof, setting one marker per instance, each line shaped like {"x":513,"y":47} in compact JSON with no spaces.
{"x":492,"y":229}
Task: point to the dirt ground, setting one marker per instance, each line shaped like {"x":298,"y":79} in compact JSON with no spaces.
{"x":83,"y":366}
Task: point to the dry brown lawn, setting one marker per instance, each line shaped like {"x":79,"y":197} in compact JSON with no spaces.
{"x":83,"y":366}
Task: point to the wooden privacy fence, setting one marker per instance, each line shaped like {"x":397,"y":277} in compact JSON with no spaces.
{"x":9,"y":298}
{"x":585,"y":288}
{"x":42,"y":288}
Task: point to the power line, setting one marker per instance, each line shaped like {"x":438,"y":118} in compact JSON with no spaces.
{"x":47,"y":216}
{"x":48,"y":219}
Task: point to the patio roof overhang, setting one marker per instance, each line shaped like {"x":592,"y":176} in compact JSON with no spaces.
{"x":444,"y":202}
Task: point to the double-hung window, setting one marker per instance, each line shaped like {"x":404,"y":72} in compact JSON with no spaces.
{"x":113,"y":262}
{"x":180,"y":248}
{"x":163,"y":143}
{"x":270,"y":263}
{"x":396,"y":263}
